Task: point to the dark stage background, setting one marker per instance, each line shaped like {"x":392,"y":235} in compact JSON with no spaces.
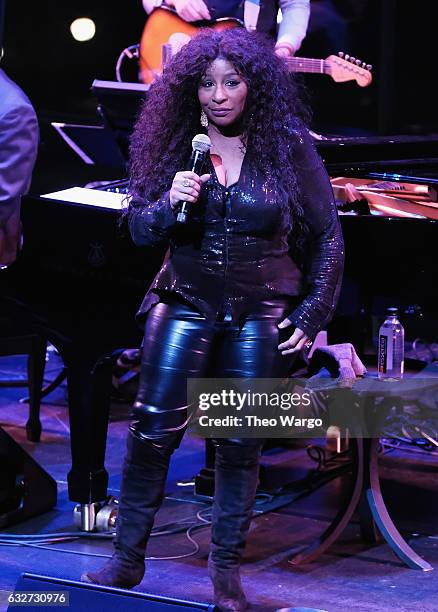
{"x":397,"y":37}
{"x":55,"y":70}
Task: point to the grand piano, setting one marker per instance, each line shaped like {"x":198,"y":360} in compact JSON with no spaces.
{"x":389,"y":254}
{"x":79,"y":280}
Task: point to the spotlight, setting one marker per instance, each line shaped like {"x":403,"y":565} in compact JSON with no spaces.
{"x":83,"y":29}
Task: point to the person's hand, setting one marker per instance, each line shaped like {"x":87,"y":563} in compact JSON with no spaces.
{"x":191,"y":10}
{"x":284,"y":50}
{"x":148,"y":6}
{"x":186,"y":187}
{"x":296,"y":342}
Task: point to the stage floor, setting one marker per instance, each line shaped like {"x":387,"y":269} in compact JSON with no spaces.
{"x":351,"y":577}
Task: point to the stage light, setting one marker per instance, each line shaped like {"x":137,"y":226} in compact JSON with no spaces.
{"x":83,"y":29}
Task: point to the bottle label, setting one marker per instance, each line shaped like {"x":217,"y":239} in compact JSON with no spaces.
{"x":385,"y":352}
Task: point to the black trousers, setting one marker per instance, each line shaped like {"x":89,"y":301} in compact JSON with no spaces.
{"x":179,"y":344}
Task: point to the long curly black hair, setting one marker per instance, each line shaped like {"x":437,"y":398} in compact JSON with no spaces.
{"x":169,"y":119}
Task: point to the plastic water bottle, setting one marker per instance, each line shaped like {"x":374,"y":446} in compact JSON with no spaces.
{"x":391,"y":347}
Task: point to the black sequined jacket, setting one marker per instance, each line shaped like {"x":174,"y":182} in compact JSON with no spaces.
{"x":235,"y":251}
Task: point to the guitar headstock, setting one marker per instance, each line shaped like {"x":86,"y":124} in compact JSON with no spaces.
{"x":344,"y":67}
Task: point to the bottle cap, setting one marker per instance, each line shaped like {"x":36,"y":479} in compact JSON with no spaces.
{"x":393,"y":312}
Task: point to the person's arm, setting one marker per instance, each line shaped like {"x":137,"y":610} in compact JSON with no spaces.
{"x":18,"y":150}
{"x":325,"y":252}
{"x":151,"y":223}
{"x":293,"y":27}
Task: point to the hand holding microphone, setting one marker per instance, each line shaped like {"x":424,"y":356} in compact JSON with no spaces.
{"x":187,"y":184}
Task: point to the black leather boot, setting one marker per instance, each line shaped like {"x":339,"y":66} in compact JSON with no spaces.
{"x":236,"y":479}
{"x":142,"y":491}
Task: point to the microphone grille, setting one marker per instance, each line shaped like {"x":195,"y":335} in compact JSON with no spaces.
{"x":201,"y":142}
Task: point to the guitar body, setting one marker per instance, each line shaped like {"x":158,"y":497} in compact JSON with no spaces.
{"x":161,"y":26}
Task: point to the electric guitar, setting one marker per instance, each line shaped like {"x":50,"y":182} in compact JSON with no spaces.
{"x":165,"y":33}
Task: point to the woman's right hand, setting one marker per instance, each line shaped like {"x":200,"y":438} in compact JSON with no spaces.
{"x":186,"y":187}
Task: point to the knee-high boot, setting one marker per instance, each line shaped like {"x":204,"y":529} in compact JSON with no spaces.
{"x":142,"y":491}
{"x":236,"y":479}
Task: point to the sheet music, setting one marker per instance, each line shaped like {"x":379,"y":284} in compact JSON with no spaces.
{"x":90,"y":197}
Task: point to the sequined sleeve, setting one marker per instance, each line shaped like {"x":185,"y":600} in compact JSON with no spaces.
{"x":150,"y":223}
{"x":325,"y":252}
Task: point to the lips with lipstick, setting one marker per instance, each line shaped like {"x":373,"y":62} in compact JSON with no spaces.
{"x":220,"y":112}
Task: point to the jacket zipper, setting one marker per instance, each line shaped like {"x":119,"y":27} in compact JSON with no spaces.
{"x":227,"y":213}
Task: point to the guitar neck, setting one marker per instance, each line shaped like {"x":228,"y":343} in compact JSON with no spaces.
{"x":306,"y":64}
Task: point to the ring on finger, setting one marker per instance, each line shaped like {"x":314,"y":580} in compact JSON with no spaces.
{"x":187,"y":182}
{"x":308,"y":345}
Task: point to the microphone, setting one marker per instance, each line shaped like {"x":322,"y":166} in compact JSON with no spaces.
{"x":201,"y":145}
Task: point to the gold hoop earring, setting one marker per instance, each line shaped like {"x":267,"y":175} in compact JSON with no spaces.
{"x":204,"y":119}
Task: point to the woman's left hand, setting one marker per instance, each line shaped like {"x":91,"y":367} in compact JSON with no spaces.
{"x":296,"y":342}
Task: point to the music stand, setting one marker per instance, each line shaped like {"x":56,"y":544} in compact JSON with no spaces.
{"x":107,"y":144}
{"x":94,"y":144}
{"x":119,"y":105}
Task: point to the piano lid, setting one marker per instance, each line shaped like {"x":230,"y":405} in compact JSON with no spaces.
{"x":401,"y":154}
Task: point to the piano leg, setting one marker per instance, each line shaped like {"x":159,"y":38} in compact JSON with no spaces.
{"x":36,"y":364}
{"x":87,"y":515}
{"x":89,"y":386}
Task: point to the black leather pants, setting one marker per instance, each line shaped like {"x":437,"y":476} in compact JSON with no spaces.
{"x":180,"y":343}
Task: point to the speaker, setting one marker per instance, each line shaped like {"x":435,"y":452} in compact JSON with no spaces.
{"x":79,"y":596}
{"x":26,"y":489}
